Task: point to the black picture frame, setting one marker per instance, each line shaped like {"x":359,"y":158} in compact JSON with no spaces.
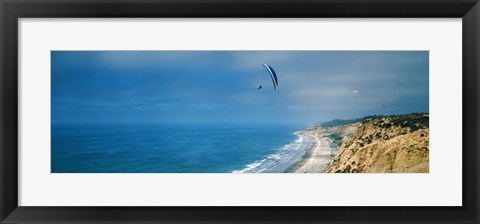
{"x":12,"y":10}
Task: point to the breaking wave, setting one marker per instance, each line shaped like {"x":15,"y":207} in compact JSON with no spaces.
{"x":283,"y":158}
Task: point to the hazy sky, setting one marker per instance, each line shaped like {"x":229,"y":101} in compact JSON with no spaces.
{"x":221,"y":86}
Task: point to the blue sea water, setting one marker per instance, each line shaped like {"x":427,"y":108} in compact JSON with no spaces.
{"x":175,"y":148}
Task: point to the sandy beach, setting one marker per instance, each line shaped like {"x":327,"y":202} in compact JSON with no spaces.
{"x":319,"y":156}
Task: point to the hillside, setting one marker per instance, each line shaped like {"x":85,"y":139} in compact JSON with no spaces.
{"x":388,"y":144}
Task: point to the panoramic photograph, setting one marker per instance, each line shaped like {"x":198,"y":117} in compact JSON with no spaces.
{"x":237,"y":112}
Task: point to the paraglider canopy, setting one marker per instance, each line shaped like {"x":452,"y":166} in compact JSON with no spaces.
{"x":272,"y":75}
{"x":354,"y":93}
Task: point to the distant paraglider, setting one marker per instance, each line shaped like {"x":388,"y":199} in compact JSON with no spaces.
{"x":273,"y":75}
{"x":387,"y":109}
{"x":355,"y":92}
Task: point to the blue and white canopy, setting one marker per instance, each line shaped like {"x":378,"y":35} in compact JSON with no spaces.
{"x":272,"y":75}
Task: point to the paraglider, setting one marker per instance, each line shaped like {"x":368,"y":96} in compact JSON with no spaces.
{"x":387,"y":109}
{"x":355,"y":92}
{"x":273,"y":75}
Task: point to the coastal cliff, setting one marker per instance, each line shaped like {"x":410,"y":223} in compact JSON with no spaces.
{"x":386,"y":144}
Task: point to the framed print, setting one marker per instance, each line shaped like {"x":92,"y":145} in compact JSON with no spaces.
{"x":248,"y":112}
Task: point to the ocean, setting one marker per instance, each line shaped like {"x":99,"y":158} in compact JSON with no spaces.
{"x":176,"y":148}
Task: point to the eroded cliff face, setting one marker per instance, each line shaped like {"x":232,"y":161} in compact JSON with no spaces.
{"x":393,"y":144}
{"x":337,"y":134}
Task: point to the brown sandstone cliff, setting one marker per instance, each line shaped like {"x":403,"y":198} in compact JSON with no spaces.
{"x":391,"y":144}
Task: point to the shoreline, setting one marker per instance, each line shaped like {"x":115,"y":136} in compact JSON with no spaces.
{"x":294,"y":167}
{"x":317,"y":158}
